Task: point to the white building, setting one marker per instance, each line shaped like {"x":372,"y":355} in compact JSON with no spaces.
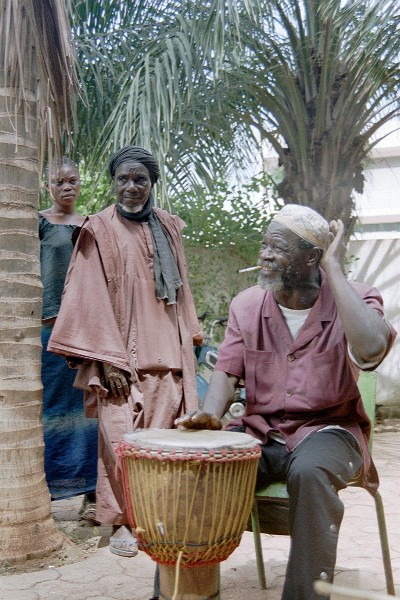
{"x":374,"y":254}
{"x":379,"y":206}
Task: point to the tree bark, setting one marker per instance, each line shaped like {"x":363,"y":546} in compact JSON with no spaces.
{"x":27,"y":529}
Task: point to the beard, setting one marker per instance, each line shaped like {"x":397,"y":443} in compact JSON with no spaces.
{"x":282,"y":279}
{"x":132,"y":209}
{"x":275,"y":284}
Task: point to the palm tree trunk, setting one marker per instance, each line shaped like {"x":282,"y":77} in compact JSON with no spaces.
{"x":27,"y":529}
{"x":37,"y":80}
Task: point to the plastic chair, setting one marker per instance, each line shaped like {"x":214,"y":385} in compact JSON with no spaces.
{"x":276,"y":493}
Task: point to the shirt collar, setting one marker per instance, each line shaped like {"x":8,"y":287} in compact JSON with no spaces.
{"x":322,"y":310}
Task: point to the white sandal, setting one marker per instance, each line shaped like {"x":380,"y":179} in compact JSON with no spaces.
{"x":123,"y":543}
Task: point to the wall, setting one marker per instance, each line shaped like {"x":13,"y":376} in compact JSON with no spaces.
{"x":377,"y":262}
{"x":214,"y":278}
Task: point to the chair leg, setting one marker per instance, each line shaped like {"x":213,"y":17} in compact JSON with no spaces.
{"x":219,"y":581}
{"x":387,"y":564}
{"x":255,"y":525}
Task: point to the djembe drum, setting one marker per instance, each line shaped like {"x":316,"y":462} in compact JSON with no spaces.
{"x":189,"y":495}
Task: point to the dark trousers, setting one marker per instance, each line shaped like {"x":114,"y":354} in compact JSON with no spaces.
{"x":156,"y":590}
{"x":321,"y":465}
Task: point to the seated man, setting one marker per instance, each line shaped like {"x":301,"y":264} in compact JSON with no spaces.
{"x":299,"y":339}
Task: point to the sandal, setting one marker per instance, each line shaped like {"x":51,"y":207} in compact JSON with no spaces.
{"x":89,"y":514}
{"x":87,"y":511}
{"x":123,"y":543}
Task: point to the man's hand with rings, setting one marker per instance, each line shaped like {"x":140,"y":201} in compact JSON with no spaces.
{"x":116,"y":381}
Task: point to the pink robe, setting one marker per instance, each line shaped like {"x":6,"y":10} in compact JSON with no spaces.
{"x":110,"y":313}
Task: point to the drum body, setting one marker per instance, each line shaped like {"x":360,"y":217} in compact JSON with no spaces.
{"x":189,"y":495}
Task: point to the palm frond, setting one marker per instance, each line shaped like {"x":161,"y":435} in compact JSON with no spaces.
{"x":169,"y":70}
{"x":45,"y":71}
{"x":329,"y":80}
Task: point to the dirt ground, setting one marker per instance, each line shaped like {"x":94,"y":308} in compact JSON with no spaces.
{"x":81,"y":539}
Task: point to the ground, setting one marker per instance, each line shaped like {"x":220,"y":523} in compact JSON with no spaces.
{"x":81,"y":539}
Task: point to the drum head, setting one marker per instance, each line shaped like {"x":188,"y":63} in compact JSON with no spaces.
{"x":190,"y":438}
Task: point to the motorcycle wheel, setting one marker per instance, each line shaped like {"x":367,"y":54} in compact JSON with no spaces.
{"x":236,"y":410}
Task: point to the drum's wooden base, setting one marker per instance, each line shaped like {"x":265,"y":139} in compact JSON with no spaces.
{"x":195,"y":583}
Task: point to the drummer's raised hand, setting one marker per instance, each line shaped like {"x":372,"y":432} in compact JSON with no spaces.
{"x":116,"y":381}
{"x":199,"y":420}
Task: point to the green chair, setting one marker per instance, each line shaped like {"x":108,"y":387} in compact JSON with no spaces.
{"x":276,"y":495}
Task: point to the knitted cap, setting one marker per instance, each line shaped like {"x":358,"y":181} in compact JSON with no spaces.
{"x":306,"y":223}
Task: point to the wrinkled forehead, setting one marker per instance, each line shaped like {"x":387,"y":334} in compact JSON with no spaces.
{"x":277,"y":230}
{"x":132,"y":166}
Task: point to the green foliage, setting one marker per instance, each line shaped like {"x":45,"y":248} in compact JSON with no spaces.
{"x":151,"y":75}
{"x":200,"y":82}
{"x":95,"y":194}
{"x":324,"y":75}
{"x":228,"y":217}
{"x":223,"y":233}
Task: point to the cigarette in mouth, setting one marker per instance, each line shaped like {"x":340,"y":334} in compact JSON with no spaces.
{"x":257,"y":268}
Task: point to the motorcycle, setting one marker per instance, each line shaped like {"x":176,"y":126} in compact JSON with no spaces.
{"x":207,"y":356}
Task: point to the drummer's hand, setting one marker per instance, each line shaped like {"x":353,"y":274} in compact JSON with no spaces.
{"x":116,"y":381}
{"x":199,"y":420}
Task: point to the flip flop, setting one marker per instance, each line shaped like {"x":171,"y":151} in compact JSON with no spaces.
{"x":123,"y":543}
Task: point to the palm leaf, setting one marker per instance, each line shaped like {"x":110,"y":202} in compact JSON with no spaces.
{"x":169,"y":69}
{"x":329,"y":77}
{"x":46,"y":22}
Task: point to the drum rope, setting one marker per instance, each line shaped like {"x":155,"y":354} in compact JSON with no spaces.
{"x":188,"y":505}
{"x":125,"y":450}
{"x":177,"y":572}
{"x":218,"y":527}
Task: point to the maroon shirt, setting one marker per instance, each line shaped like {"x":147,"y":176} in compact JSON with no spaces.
{"x":296,"y":387}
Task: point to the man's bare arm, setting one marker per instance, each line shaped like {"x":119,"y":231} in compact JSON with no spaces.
{"x":219,"y":396}
{"x":366,"y":331}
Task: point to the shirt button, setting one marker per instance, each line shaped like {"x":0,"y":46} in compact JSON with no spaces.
{"x":323,"y":576}
{"x":289,"y":393}
{"x":333,"y":528}
{"x":290,"y":357}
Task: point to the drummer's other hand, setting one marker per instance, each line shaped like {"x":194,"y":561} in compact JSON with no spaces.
{"x":199,"y":420}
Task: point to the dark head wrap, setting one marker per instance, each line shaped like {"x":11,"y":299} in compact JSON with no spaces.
{"x":166,"y":273}
{"x":135,"y":154}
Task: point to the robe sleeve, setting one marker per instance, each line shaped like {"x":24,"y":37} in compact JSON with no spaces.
{"x":86,"y":326}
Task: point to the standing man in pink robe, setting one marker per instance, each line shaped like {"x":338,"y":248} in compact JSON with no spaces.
{"x":128,"y":323}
